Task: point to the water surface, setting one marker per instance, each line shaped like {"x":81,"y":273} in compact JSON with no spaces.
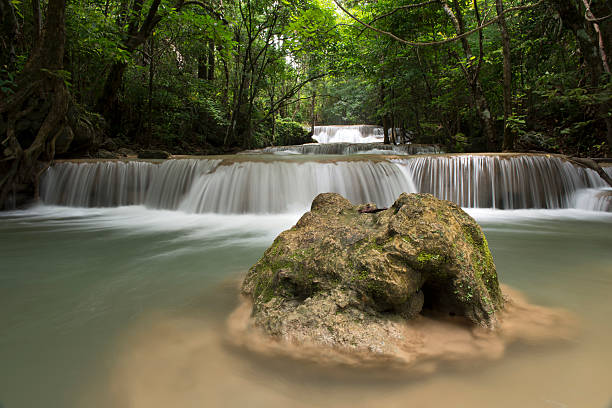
{"x":125,"y":307}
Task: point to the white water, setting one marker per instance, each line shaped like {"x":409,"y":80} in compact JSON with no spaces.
{"x":348,"y":134}
{"x":594,"y":199}
{"x":116,"y":183}
{"x":277,"y":186}
{"x":501,"y":181}
{"x":206,"y":186}
{"x":350,"y":148}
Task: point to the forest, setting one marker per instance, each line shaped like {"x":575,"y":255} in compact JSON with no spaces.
{"x":305,"y":203}
{"x":88,"y":77}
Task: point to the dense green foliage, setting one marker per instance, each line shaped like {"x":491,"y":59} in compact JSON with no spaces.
{"x":290,"y":133}
{"x":220,"y":75}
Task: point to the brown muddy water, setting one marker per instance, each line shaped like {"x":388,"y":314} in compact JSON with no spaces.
{"x":128,"y":307}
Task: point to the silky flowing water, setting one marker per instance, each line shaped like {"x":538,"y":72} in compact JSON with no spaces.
{"x":126,"y":303}
{"x":126,"y":307}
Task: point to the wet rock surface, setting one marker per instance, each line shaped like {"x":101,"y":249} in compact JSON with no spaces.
{"x":350,"y":279}
{"x":153,"y":154}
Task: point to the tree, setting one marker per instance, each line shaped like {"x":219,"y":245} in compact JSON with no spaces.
{"x":34,"y":112}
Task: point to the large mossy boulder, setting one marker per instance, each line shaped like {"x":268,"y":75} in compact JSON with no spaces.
{"x":346,"y":275}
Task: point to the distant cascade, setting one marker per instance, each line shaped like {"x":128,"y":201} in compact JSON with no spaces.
{"x":348,"y":134}
{"x":281,"y":185}
{"x":351,"y":148}
{"x":504,"y":182}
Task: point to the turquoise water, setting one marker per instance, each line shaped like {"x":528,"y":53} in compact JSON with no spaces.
{"x":125,"y":307}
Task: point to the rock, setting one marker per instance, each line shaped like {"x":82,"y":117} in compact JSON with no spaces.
{"x":348,"y":279}
{"x":536,"y":142}
{"x":109,"y":144}
{"x":153,"y":154}
{"x":125,"y":152}
{"x":63,"y":141}
{"x":88,"y":129}
{"x":105,"y":154}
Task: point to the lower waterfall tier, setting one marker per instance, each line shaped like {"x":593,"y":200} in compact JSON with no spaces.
{"x":227,"y":185}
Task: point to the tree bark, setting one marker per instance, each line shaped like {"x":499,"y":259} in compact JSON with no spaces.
{"x":508,"y":143}
{"x":472,"y":73}
{"x":107,"y":104}
{"x":573,"y":16}
{"x":385,"y":121}
{"x":137,"y":35}
{"x":211,"y":61}
{"x":8,"y":34}
{"x":312,"y":112}
{"x":37,"y":23}
{"x":202,"y":67}
{"x":41,"y":88}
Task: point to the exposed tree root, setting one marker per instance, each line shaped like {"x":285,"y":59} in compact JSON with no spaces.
{"x":28,"y":145}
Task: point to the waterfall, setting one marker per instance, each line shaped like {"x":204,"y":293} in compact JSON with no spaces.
{"x":255,"y":187}
{"x":505,"y":182}
{"x":117,"y":183}
{"x":350,"y":148}
{"x":201,"y":186}
{"x":592,"y":199}
{"x":348,"y":134}
{"x":240,"y":184}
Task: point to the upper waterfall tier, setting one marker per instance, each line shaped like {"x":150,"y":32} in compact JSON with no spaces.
{"x":348,"y":134}
{"x":350,"y":148}
{"x":240,"y":184}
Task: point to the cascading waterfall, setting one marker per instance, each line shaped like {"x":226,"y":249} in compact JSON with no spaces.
{"x":351,"y":148}
{"x":200,"y":186}
{"x":348,"y":134}
{"x":276,"y":186}
{"x":117,"y":183}
{"x":505,"y":182}
{"x":593,"y":199}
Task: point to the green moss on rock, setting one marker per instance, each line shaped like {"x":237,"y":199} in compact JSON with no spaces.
{"x":422,"y":253}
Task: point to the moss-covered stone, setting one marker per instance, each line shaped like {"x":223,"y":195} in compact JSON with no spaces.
{"x":420,"y":254}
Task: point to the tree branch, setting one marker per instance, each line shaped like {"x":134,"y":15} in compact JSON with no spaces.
{"x":405,"y":7}
{"x":289,"y":94}
{"x":448,"y":40}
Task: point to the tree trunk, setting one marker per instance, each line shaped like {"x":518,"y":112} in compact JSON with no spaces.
{"x":37,"y":23}
{"x":202,"y":67}
{"x":393,"y":131}
{"x":149,"y":133}
{"x":312,"y":113}
{"x":41,"y":93}
{"x":472,"y":74}
{"x":385,"y":121}
{"x":591,"y":45}
{"x":137,"y":34}
{"x":107,"y":104}
{"x":8,"y":34}
{"x":508,"y":143}
{"x":211,"y":61}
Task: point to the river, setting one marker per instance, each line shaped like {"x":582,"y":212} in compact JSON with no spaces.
{"x":125,"y":305}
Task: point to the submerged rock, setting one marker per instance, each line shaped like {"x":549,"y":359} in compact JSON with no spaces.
{"x":348,"y":279}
